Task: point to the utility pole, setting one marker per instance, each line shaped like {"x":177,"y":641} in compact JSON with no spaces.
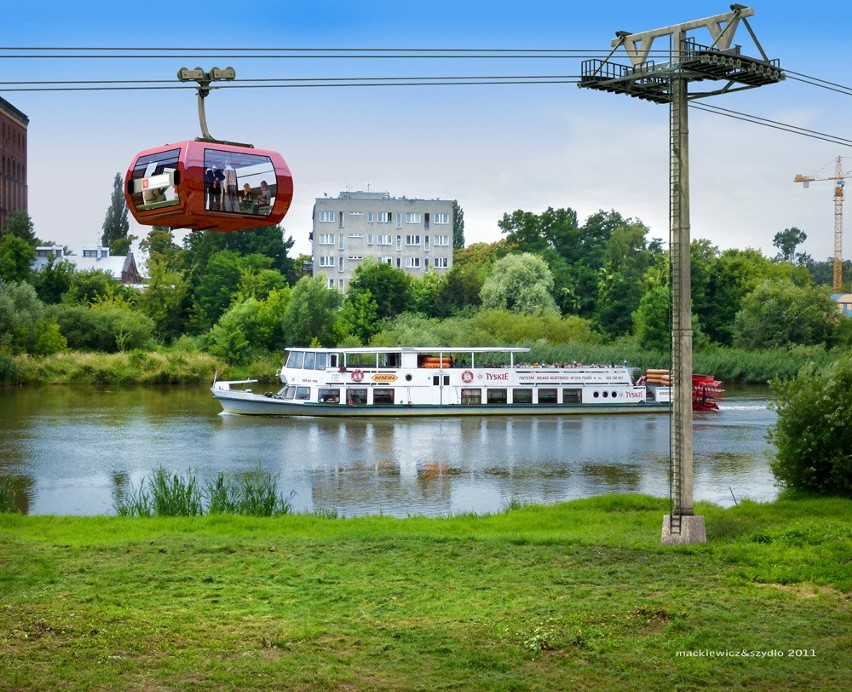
{"x":670,"y":82}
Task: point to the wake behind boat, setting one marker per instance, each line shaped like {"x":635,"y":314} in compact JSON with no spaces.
{"x":417,"y":381}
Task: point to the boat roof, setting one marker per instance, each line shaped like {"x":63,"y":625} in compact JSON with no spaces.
{"x":415,"y":349}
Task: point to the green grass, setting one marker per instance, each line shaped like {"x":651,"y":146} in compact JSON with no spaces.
{"x":581,"y":595}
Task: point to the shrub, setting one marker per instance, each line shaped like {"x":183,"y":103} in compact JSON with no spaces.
{"x":813,"y":437}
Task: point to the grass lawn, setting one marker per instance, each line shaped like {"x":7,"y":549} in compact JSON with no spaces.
{"x":580,"y":595}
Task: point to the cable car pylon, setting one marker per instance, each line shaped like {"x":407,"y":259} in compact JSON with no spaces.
{"x":670,"y":82}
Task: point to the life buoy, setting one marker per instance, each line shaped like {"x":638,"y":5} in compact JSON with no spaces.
{"x":467,"y":376}
{"x":357,"y":375}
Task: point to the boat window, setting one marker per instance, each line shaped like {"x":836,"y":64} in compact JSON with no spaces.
{"x":356,"y":397}
{"x":547,"y":396}
{"x":471,"y":397}
{"x":497,"y":396}
{"x":572,"y":396}
{"x":290,"y":392}
{"x":321,"y":361}
{"x":310,"y":359}
{"x":332,"y":360}
{"x":390,"y":360}
{"x":294,"y":360}
{"x":303,"y":393}
{"x":382,"y":396}
{"x":329,"y":396}
{"x":522,"y":396}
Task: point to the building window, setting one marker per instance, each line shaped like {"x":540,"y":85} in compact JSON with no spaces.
{"x":412,"y":263}
{"x":385,"y":217}
{"x":412,"y":240}
{"x":399,"y":242}
{"x":342,"y":216}
{"x":340,"y":265}
{"x":413,"y":217}
{"x":386,"y":260}
{"x":441,"y":262}
{"x":399,"y":220}
{"x":326,"y":261}
{"x":441,"y":217}
{"x":327,"y":216}
{"x":384,"y":240}
{"x":442,"y":241}
{"x":326,"y":238}
{"x":341,"y":240}
{"x":369,"y":239}
{"x":371,"y":217}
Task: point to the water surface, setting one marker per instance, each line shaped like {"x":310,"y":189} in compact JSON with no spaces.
{"x":71,"y":447}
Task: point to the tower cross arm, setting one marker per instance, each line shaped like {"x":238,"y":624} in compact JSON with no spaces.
{"x":721,"y":27}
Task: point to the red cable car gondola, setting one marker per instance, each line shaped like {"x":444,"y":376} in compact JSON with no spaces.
{"x":208,"y":184}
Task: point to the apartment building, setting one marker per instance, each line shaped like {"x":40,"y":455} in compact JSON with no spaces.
{"x":414,"y":235}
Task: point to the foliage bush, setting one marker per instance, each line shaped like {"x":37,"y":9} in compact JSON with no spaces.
{"x":813,"y":436}
{"x":107,"y":327}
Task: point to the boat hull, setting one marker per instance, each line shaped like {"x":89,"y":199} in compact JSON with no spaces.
{"x":240,"y":402}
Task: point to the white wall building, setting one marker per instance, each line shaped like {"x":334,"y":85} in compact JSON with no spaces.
{"x":414,"y":235}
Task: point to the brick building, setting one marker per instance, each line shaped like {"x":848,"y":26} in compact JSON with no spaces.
{"x":13,"y":160}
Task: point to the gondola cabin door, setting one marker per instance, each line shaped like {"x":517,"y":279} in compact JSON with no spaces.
{"x":203,"y":185}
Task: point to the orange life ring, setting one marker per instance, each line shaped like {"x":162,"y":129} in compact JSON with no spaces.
{"x":357,"y":375}
{"x":467,"y":376}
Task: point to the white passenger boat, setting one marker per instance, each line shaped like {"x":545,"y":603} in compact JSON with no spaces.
{"x":408,"y":381}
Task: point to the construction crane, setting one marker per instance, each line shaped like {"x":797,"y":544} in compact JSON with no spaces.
{"x":839,"y":179}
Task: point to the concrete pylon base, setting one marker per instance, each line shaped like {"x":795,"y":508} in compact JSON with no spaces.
{"x":691,"y":531}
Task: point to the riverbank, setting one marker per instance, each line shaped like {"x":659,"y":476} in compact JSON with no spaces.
{"x":181,"y":366}
{"x":580,"y":595}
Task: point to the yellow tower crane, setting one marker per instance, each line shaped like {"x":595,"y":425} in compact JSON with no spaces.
{"x":839,"y":181}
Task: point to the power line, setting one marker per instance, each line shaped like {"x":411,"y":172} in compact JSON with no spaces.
{"x":805,"y":132}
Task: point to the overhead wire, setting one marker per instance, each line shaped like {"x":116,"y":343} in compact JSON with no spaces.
{"x":42,"y":52}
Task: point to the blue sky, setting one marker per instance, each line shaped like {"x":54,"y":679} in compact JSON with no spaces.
{"x":493,"y":148}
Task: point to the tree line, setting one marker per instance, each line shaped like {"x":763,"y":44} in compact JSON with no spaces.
{"x":549,"y":277}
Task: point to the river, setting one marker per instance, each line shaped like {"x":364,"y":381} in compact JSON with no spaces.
{"x":70,"y":447}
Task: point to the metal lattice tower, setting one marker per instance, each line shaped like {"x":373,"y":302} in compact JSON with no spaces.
{"x":672,"y":82}
{"x":839,"y":182}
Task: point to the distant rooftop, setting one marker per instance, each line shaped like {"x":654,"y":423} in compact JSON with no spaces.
{"x":13,"y":112}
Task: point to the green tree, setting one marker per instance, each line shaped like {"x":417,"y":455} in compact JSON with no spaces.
{"x":626,"y":260}
{"x":777,"y":314}
{"x":19,"y":224}
{"x":520,"y":283}
{"x":554,"y":230}
{"x":787,"y":241}
{"x":16,"y":258}
{"x":812,"y":436}
{"x":736,"y":274}
{"x":460,"y":290}
{"x":166,"y":298}
{"x":458,"y":225}
{"x":390,"y":288}
{"x":116,"y":225}
{"x":91,"y":285}
{"x":53,"y":281}
{"x":24,"y":326}
{"x":311,"y":314}
{"x":652,"y":319}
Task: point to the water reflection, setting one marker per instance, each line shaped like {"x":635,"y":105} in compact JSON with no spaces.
{"x":70,"y":448}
